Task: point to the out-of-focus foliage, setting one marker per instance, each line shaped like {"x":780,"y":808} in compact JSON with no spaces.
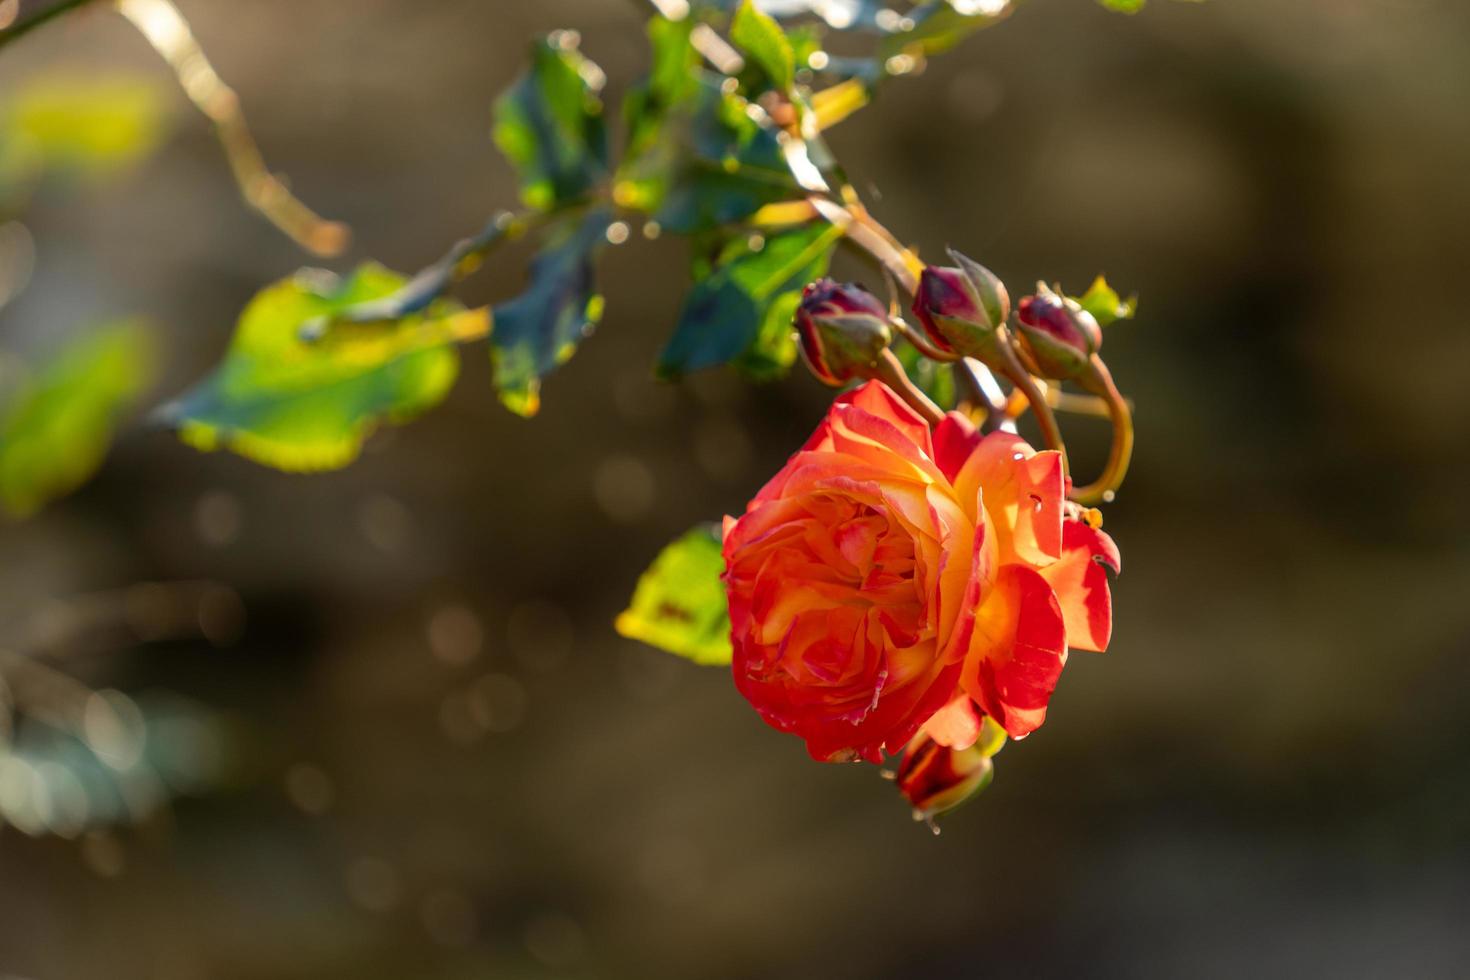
{"x":118,"y":761}
{"x":55,"y":427}
{"x":540,"y":329}
{"x":740,"y":309}
{"x":679,"y":604}
{"x":933,"y":28}
{"x":1104,"y":303}
{"x":307,"y":404}
{"x":78,"y":126}
{"x":550,"y":124}
{"x":716,"y":131}
{"x":764,"y":42}
{"x":696,"y":158}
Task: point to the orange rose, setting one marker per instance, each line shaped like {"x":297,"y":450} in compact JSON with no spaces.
{"x":889,"y":578}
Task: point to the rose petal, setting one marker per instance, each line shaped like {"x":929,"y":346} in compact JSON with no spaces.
{"x":956,"y":725}
{"x":1023,"y":490}
{"x":1017,"y":650}
{"x":1080,"y":581}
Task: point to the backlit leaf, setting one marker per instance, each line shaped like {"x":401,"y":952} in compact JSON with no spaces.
{"x":696,"y":158}
{"x":55,"y":429}
{"x":764,"y":43}
{"x":304,"y":405}
{"x":550,"y":124}
{"x":842,"y":15}
{"x":939,"y":25}
{"x":90,"y":127}
{"x":679,"y":604}
{"x":539,"y":330}
{"x":741,"y":312}
{"x":1104,"y":303}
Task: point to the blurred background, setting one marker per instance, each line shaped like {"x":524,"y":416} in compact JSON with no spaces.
{"x":403,"y":738}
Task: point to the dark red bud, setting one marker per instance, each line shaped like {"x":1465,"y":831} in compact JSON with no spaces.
{"x":961,"y":306}
{"x":843,"y":330}
{"x":1058,"y":335}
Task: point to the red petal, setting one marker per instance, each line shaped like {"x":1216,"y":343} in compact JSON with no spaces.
{"x":1080,"y":582}
{"x":1018,"y":649}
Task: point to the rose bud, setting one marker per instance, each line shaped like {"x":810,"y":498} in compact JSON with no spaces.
{"x":935,"y":778}
{"x":843,"y":330}
{"x":961,"y":306}
{"x":1058,"y":335}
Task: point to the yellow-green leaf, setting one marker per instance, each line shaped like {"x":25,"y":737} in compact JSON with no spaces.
{"x":90,"y":127}
{"x":679,"y":604}
{"x":1104,"y":303}
{"x":56,"y":428}
{"x":765,"y":43}
{"x":302,"y":405}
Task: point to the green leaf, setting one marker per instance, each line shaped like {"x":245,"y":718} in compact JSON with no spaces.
{"x":306,"y":405}
{"x":87,"y":127}
{"x":939,"y":25}
{"x":1104,"y":303}
{"x":741,"y":312}
{"x":56,"y":428}
{"x":551,"y":127}
{"x":701,"y":161}
{"x":765,"y":43}
{"x":652,"y":154}
{"x":539,"y":330}
{"x":1123,"y":6}
{"x":679,"y":605}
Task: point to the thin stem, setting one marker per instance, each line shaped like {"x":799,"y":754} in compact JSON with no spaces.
{"x":1120,"y":453}
{"x":431,"y":282}
{"x":920,"y":342}
{"x":891,"y":372}
{"x":1051,"y":434}
{"x":18,"y":17}
{"x":160,"y":22}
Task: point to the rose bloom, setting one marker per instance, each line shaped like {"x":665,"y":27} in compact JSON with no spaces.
{"x":890,"y":578}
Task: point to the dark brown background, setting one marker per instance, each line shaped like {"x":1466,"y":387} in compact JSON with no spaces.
{"x":1267,"y":774}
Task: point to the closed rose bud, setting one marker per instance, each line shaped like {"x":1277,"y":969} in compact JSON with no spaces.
{"x":843,"y":330}
{"x":935,"y":778}
{"x":961,"y":306}
{"x":1058,"y":335}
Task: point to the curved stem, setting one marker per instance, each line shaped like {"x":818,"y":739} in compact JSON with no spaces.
{"x":160,"y":22}
{"x":1121,"y":452}
{"x":920,"y":343}
{"x":891,"y":372}
{"x":1051,"y":434}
